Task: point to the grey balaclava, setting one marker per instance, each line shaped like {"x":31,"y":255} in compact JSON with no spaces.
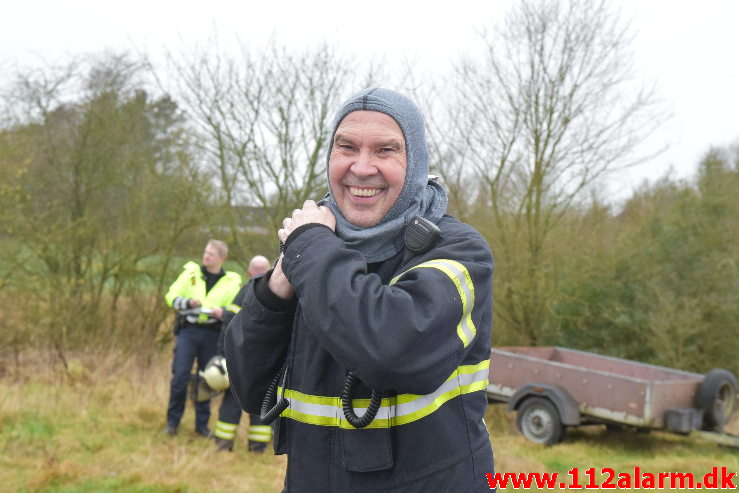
{"x":419,"y":196}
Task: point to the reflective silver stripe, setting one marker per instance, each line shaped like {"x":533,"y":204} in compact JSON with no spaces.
{"x":201,"y":319}
{"x":394,"y":411}
{"x":427,"y":400}
{"x":460,"y":276}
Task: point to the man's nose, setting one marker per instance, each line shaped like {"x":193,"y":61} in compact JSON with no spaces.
{"x":364,"y":165}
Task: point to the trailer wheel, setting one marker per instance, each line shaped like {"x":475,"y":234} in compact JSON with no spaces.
{"x":539,"y":421}
{"x":716,"y":396}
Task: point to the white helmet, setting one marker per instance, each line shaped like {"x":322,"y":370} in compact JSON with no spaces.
{"x":215,"y":373}
{"x":208,"y":383}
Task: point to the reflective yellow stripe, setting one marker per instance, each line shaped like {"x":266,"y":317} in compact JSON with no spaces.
{"x":261,"y":428}
{"x":233,"y":308}
{"x":260,"y":433}
{"x":226,"y":431}
{"x":260,"y":438}
{"x":394,"y":411}
{"x":460,"y":276}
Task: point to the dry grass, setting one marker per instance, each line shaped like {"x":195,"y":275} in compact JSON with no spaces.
{"x":98,"y":428}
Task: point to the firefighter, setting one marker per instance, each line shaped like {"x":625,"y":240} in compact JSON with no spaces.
{"x":355,"y":318}
{"x":202,"y":295}
{"x":229,"y":414}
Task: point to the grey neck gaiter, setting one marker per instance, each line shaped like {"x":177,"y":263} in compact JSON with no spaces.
{"x":419,"y":195}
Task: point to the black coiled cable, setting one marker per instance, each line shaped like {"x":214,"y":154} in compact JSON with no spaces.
{"x":350,"y":382}
{"x":271,"y":408}
{"x":420,"y":235}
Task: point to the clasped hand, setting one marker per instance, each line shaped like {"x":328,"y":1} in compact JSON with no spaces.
{"x":311,"y":213}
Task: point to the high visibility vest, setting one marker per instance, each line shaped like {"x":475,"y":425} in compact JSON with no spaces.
{"x":191,"y":284}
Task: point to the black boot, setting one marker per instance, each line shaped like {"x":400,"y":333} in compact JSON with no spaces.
{"x":203,"y":431}
{"x":224,"y":445}
{"x":257,"y":447}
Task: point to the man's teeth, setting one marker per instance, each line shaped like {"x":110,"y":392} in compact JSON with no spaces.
{"x":364,"y":192}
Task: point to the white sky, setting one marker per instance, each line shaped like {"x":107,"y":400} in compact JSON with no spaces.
{"x":688,"y":47}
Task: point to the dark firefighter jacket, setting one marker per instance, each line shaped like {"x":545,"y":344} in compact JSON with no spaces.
{"x":229,"y":314}
{"x":419,"y":333}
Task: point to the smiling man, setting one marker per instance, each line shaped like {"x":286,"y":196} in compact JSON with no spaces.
{"x":346,"y":302}
{"x":367,"y":166}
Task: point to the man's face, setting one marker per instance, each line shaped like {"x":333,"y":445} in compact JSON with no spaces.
{"x":212,"y":260}
{"x":367,"y":166}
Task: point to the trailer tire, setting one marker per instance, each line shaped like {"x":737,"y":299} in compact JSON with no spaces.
{"x":716,"y":397}
{"x":539,"y":421}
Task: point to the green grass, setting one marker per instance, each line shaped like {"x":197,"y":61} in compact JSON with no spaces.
{"x":101,"y":431}
{"x":596,"y":447}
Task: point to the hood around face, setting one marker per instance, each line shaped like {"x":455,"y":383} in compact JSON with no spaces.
{"x":419,"y":195}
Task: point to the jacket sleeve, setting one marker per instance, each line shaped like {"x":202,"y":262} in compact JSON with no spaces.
{"x":177,"y":295}
{"x":256,"y":343}
{"x":409,"y":335}
{"x":228,"y":314}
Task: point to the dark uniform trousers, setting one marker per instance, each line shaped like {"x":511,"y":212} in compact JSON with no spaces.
{"x":230,"y":414}
{"x":192,"y":343}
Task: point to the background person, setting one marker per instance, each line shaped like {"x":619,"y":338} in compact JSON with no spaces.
{"x":205,"y":286}
{"x":229,"y":414}
{"x":342,"y":298}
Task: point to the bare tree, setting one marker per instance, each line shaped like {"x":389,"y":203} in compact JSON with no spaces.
{"x":102,"y":189}
{"x":550,"y":108}
{"x":264,"y":119}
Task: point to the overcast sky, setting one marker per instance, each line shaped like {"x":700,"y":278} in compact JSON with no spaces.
{"x":689,"y":48}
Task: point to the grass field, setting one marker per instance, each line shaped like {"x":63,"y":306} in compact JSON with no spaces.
{"x":98,"y":428}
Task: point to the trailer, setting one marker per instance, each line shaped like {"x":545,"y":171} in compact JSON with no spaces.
{"x":552,"y":388}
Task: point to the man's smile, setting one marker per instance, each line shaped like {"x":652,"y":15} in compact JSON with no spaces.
{"x":364,"y":192}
